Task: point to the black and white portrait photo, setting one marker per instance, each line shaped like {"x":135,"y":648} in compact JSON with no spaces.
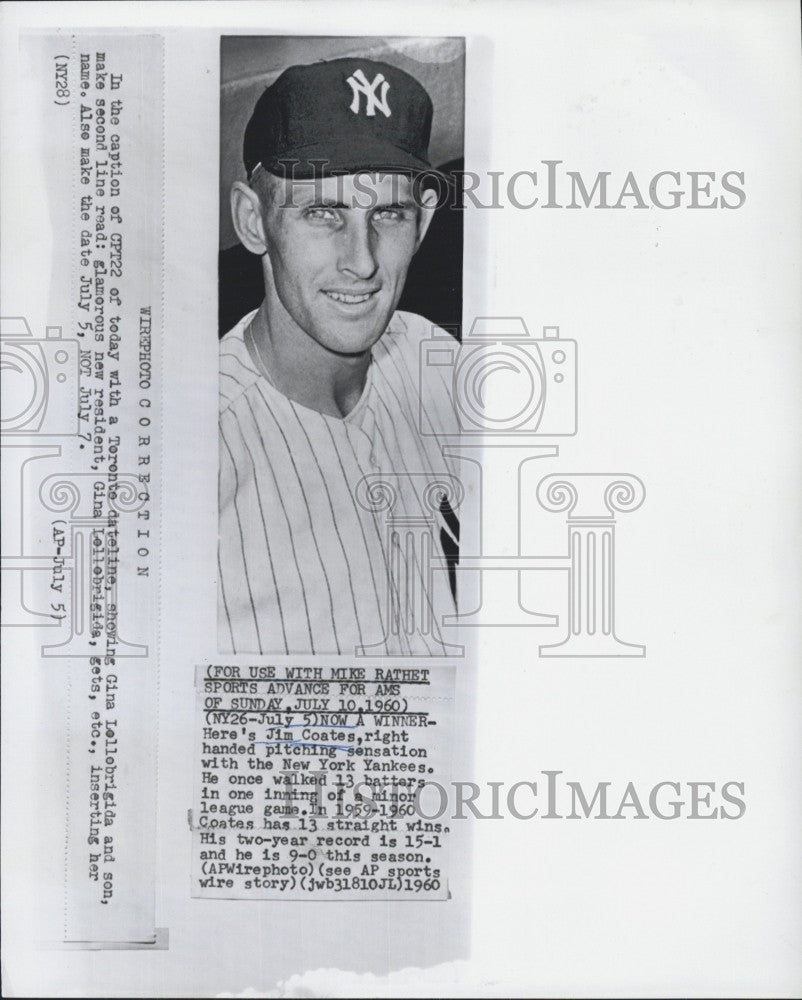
{"x":341,"y":252}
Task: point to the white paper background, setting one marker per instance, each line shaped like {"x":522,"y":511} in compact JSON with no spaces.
{"x":688,"y":328}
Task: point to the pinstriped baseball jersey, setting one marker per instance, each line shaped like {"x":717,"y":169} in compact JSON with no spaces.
{"x":306,"y":563}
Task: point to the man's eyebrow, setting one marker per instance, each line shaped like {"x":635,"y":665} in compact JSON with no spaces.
{"x":304,"y":196}
{"x":400,"y":205}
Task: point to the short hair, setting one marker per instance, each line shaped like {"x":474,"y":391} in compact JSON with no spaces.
{"x":265,"y":185}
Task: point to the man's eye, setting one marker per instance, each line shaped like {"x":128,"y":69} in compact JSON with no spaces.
{"x":321,"y":214}
{"x":388,"y":215}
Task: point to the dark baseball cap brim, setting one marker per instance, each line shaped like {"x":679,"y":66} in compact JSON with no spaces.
{"x":335,"y":158}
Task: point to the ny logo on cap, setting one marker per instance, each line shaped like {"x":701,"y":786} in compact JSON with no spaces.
{"x":359,"y":85}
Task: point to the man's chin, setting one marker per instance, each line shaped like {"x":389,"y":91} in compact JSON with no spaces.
{"x":353,"y":343}
{"x":355,"y":337}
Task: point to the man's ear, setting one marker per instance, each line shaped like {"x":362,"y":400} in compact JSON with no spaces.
{"x":427,"y":203}
{"x":246,"y":213}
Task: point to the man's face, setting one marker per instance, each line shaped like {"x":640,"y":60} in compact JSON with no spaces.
{"x":339,"y":250}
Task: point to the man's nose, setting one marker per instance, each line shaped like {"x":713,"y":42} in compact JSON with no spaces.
{"x":357,"y":257}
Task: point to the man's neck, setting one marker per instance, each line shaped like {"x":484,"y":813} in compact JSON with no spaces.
{"x":305,"y":371}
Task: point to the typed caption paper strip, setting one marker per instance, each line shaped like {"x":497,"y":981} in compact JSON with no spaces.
{"x":80,"y":469}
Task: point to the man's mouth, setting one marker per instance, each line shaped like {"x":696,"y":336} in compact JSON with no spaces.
{"x":350,"y":298}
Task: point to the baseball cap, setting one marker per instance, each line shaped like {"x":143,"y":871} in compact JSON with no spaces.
{"x":341,"y":116}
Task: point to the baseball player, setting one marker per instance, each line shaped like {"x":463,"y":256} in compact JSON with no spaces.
{"x":331,"y":456}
